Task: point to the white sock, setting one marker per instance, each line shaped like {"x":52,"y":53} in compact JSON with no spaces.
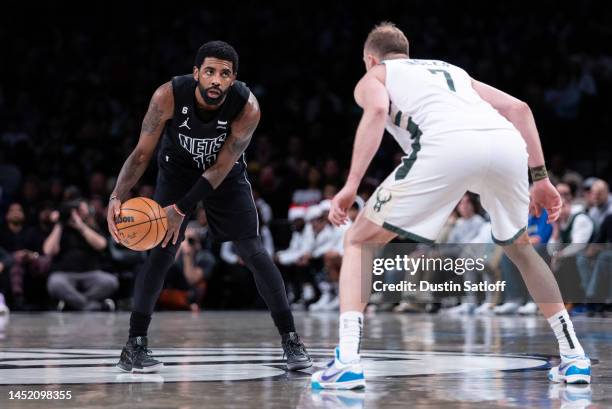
{"x":562,"y":325}
{"x":351,"y":327}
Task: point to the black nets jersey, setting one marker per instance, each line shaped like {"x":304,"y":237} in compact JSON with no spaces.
{"x":191,"y":142}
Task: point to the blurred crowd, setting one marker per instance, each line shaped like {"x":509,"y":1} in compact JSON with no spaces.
{"x":73,"y":96}
{"x":59,"y":255}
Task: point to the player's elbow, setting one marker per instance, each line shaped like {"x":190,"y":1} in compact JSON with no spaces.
{"x":141,"y":156}
{"x":378,"y":112}
{"x":519,"y":108}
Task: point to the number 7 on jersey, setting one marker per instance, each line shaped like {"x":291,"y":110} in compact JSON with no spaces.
{"x":449,"y":79}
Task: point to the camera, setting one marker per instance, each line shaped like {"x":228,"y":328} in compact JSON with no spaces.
{"x":66,"y":209}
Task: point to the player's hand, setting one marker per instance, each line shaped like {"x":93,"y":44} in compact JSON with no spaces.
{"x":544,"y":195}
{"x":113,"y":211}
{"x":340,"y":204}
{"x":174,"y":225}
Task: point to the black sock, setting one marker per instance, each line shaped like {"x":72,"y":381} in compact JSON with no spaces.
{"x":139,"y":324}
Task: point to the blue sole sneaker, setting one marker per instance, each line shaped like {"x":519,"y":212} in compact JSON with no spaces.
{"x":572,"y":370}
{"x":338,"y":375}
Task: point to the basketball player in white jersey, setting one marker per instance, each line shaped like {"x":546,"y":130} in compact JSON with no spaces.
{"x":458,"y":135}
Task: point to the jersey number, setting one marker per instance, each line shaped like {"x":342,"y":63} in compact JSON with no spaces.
{"x":449,"y":79}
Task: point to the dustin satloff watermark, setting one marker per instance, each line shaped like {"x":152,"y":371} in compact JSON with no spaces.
{"x":467,"y":273}
{"x":447,"y":286}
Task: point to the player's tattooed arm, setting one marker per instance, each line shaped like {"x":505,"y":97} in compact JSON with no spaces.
{"x":160,"y":110}
{"x":237,"y":142}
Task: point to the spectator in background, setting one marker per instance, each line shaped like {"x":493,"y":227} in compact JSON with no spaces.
{"x":469,"y":223}
{"x":325,"y":238}
{"x":602,"y":203}
{"x":185,"y":283}
{"x":317,"y":237}
{"x":572,"y":231}
{"x":332,"y":260}
{"x":287,"y":259}
{"x":311,"y":193}
{"x":264,"y":208}
{"x":329,"y":191}
{"x":77,"y":248}
{"x":23,"y":244}
{"x":595,"y":268}
{"x":465,"y":230}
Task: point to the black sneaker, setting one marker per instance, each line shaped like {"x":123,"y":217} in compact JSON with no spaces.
{"x":135,"y":357}
{"x":295,"y":351}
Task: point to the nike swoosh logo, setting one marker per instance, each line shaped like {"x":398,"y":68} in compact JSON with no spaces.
{"x":327,"y":378}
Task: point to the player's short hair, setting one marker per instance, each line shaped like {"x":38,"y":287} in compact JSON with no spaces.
{"x":385,"y":38}
{"x":217,"y":49}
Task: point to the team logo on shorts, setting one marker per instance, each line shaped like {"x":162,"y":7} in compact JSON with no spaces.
{"x":382,"y":197}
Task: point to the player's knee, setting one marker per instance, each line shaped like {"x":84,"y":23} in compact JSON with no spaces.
{"x":520,"y":249}
{"x":362,"y":232}
{"x":248,"y":248}
{"x":354,"y":236}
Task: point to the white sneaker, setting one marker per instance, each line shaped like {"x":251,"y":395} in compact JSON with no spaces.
{"x":321,"y":303}
{"x":298,"y":306}
{"x":486,"y":308}
{"x":308,"y":292}
{"x":406,"y":306}
{"x":338,"y":375}
{"x":467,"y":308}
{"x":573,"y":369}
{"x":507,"y":308}
{"x":333,"y":305}
{"x":530,"y":308}
{"x":109,"y":305}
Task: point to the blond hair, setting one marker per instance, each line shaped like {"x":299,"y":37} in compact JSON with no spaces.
{"x":385,"y":38}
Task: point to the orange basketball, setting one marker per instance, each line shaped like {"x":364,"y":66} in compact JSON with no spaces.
{"x":142,"y":224}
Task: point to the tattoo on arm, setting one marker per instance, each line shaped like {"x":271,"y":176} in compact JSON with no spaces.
{"x":137,"y":162}
{"x":152,"y":119}
{"x":130,"y":172}
{"x":239,"y":145}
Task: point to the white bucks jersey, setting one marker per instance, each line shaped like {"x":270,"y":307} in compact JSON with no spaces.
{"x":429,"y":98}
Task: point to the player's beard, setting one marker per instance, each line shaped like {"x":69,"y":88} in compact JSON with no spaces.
{"x":210,"y":100}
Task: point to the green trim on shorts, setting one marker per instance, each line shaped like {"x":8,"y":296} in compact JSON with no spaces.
{"x":407,"y":163}
{"x":510,"y":240}
{"x":406,"y":234}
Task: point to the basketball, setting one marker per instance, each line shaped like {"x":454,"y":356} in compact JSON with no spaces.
{"x":142,"y":224}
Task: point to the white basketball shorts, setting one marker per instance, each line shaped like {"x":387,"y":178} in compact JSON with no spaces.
{"x":416,"y":199}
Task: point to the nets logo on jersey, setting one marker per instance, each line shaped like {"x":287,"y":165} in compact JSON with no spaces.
{"x":204,"y":151}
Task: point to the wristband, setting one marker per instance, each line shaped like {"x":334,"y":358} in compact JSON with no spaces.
{"x":199,"y":191}
{"x":113,"y":197}
{"x":538,"y":173}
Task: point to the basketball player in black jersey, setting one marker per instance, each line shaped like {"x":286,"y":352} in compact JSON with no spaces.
{"x":207,"y":120}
